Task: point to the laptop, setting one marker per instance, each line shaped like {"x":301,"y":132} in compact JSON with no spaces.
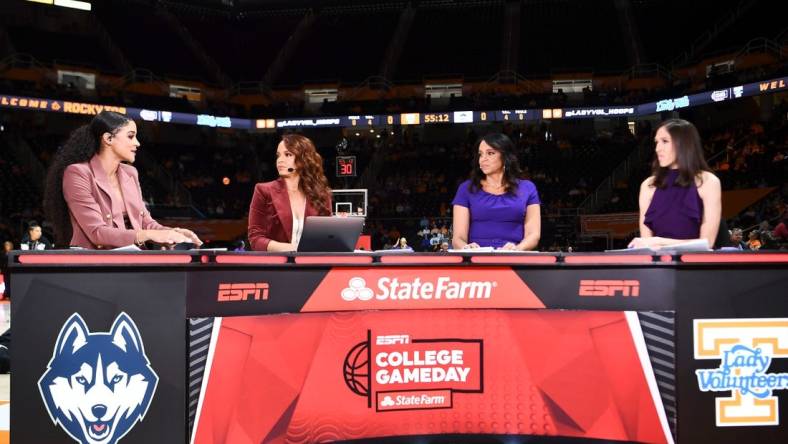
{"x":328,"y":234}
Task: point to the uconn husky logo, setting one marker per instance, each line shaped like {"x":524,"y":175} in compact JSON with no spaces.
{"x":98,"y":385}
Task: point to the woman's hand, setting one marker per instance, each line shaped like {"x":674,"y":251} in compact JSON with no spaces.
{"x":644,"y":242}
{"x":509,"y":246}
{"x":471,"y":246}
{"x":189,"y":234}
{"x":166,"y":237}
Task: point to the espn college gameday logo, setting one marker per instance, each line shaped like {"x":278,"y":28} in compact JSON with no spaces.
{"x":397,"y":372}
{"x":745,"y":348}
{"x":242,"y":292}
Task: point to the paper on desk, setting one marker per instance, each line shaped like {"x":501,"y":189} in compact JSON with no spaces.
{"x":693,"y":245}
{"x":487,"y":250}
{"x":127,"y":248}
{"x":472,"y":250}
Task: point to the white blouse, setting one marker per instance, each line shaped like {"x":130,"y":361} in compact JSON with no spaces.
{"x":298,"y":228}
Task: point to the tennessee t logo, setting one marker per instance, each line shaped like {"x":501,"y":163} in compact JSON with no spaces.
{"x":745,"y":348}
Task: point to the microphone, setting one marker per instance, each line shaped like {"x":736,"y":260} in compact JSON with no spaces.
{"x":290,"y":170}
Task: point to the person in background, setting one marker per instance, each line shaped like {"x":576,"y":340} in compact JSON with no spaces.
{"x":495,"y":207}
{"x":402,"y":244}
{"x":736,"y":239}
{"x":8,"y":246}
{"x":681,"y":200}
{"x":780,"y":232}
{"x":279,"y":208}
{"x":754,"y":242}
{"x":33,"y":240}
{"x":93,"y":196}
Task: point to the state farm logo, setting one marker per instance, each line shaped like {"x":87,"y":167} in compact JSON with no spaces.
{"x":399,"y":373}
{"x":242,"y":292}
{"x":441,"y":288}
{"x":609,"y":287}
{"x":357,"y":289}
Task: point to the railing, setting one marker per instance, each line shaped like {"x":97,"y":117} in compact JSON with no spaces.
{"x":251,"y":87}
{"x":180,"y":194}
{"x":372,"y":82}
{"x":761,"y":45}
{"x":648,"y":70}
{"x":513,"y":77}
{"x":725,"y":150}
{"x":622,"y":171}
{"x":21,"y":60}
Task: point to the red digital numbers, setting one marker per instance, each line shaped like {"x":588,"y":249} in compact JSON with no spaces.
{"x":346,"y":166}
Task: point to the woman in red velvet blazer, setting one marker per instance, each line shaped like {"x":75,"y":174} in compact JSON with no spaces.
{"x":94,"y":199}
{"x":279,"y":208}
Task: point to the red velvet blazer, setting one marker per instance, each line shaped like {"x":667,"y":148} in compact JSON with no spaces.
{"x":270,"y":216}
{"x":96,"y":215}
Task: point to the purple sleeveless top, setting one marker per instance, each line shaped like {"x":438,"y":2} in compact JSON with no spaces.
{"x":675,"y":212}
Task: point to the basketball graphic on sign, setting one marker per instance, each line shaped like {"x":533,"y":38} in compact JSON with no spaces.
{"x":356,"y":369}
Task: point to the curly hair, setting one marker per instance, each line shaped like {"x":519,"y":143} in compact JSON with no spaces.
{"x":81,"y":146}
{"x":309,"y":165}
{"x":511,"y":166}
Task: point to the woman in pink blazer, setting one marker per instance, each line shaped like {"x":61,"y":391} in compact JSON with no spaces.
{"x":94,"y":199}
{"x":279,"y":207}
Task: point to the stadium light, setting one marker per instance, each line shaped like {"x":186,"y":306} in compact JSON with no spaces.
{"x":75,"y":4}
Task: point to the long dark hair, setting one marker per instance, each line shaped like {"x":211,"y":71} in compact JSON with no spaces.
{"x":309,"y":164}
{"x":689,"y":154}
{"x":81,"y":146}
{"x":511,"y":166}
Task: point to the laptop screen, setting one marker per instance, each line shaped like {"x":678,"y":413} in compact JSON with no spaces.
{"x":330,"y":234}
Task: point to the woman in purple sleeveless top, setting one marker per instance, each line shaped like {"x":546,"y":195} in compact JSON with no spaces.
{"x":495,"y":208}
{"x":681,"y":200}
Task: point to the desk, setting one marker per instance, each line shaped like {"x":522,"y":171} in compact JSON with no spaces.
{"x":255,"y":347}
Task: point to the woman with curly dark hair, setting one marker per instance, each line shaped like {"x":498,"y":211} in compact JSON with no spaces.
{"x":93,"y":198}
{"x":279,"y":207}
{"x":495,"y":207}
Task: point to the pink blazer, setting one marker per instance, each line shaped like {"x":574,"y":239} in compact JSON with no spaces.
{"x":270,"y":216}
{"x":96,"y":217}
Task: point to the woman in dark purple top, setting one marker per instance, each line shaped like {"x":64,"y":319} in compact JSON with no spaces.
{"x":681,"y":200}
{"x":495,"y":208}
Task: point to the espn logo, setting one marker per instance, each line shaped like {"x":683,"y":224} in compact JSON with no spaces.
{"x":609,"y":288}
{"x":392,"y":340}
{"x":242,"y":292}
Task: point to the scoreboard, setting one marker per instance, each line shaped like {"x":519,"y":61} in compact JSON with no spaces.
{"x":368,"y":121}
{"x":346,"y":166}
